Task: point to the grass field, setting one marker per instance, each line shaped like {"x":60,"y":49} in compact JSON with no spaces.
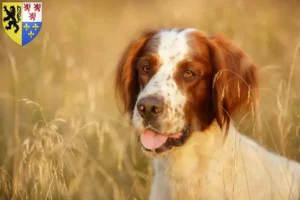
{"x":61,"y":133}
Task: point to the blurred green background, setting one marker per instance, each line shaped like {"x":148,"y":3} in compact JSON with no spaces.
{"x":61,"y":133}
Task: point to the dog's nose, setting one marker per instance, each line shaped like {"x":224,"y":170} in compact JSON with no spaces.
{"x":150,"y":107}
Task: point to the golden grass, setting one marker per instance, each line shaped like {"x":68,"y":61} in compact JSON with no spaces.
{"x":62,"y":136}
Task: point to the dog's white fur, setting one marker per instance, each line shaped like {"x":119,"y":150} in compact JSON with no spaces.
{"x":205,"y":168}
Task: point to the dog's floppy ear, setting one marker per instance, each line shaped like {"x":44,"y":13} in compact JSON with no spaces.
{"x":126,"y":78}
{"x":234,"y":79}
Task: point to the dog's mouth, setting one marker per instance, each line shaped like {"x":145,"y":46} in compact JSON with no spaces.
{"x":155,"y":142}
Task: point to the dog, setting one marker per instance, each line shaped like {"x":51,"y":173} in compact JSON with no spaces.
{"x":181,"y":88}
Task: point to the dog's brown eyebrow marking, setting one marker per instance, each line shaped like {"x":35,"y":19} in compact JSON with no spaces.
{"x":152,"y":45}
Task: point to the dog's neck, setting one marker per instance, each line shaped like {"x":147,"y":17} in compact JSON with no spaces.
{"x":195,"y":156}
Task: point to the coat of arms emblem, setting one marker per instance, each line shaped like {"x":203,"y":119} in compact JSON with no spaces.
{"x":22,"y":21}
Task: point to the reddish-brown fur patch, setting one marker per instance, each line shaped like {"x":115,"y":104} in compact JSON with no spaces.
{"x":227,"y":79}
{"x":198,"y":108}
{"x":150,"y":59}
{"x":126,"y":80}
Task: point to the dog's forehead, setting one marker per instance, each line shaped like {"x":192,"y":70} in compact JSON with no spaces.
{"x":173,"y":45}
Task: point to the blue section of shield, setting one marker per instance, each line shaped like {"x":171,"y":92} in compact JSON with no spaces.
{"x":29,"y":31}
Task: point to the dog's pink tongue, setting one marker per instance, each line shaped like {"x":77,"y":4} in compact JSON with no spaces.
{"x":151,"y":140}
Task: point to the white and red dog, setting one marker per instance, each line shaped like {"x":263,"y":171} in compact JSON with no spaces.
{"x":181,"y":87}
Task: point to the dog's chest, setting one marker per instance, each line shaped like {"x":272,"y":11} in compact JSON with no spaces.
{"x":241,"y":170}
{"x":197,"y":178}
{"x":190,"y":178}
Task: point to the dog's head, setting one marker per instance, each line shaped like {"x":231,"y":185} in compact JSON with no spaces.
{"x":175,"y":82}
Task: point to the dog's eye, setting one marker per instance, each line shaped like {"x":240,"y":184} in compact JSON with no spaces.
{"x":188,"y":74}
{"x":146,"y":68}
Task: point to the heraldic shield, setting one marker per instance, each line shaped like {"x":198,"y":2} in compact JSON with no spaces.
{"x":22,"y":21}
